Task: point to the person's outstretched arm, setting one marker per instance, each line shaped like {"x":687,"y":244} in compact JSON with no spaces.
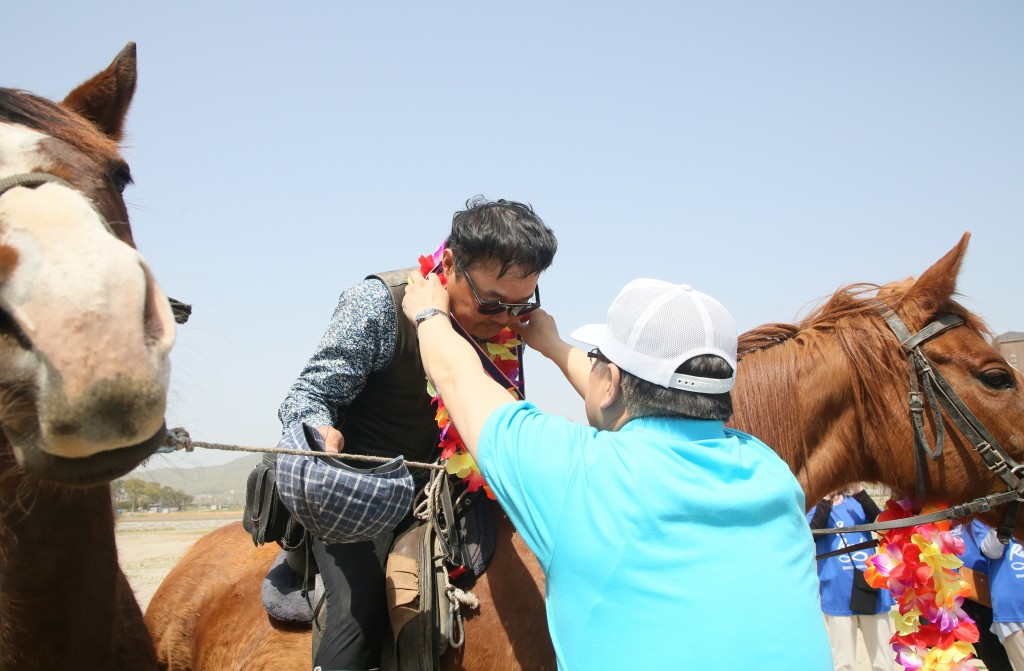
{"x":469,"y":394}
{"x":990,"y":545}
{"x":871,"y":509}
{"x":820,"y":518}
{"x":541,"y":334}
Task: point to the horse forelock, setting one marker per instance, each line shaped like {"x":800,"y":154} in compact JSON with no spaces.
{"x":31,"y":111}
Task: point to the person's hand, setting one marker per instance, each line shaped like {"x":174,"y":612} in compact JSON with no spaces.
{"x":333,"y":440}
{"x":539,"y":332}
{"x":422,"y":293}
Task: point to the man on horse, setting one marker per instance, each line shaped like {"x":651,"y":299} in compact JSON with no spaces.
{"x":667,"y":540}
{"x":366,"y":392}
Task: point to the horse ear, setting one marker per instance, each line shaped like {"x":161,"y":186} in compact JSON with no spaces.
{"x":937,"y":285}
{"x":105,"y":98}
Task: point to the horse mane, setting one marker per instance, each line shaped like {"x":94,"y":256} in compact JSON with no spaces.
{"x":29,"y":110}
{"x":848,"y":322}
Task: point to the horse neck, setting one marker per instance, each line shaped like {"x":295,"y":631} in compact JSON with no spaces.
{"x":59,"y":578}
{"x":805,"y":411}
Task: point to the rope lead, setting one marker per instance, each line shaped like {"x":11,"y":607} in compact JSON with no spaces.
{"x":179,"y":439}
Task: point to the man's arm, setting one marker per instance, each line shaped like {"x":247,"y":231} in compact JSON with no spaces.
{"x":541,"y":334}
{"x":469,"y":394}
{"x":871,"y":509}
{"x":821,"y":514}
{"x":359,"y":340}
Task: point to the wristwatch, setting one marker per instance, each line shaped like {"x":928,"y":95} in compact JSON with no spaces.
{"x":424,"y":315}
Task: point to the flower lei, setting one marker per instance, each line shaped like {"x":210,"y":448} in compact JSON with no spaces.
{"x":501,"y":351}
{"x":921,"y":567}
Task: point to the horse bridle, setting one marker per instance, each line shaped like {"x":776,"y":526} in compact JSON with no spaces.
{"x":181,"y":311}
{"x":928,"y":385}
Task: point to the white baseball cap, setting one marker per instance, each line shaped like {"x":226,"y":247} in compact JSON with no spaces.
{"x":656,"y":326}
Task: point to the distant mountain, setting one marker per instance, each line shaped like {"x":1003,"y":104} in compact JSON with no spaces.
{"x":223,"y":480}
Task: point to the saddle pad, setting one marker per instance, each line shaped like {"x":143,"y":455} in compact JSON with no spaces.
{"x":282,"y":594}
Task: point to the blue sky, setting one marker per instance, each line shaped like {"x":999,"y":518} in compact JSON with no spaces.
{"x":766,"y":153}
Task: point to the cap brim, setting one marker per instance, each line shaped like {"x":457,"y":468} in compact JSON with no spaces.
{"x":591,"y":334}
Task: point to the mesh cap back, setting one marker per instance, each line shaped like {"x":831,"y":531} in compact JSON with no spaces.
{"x":655,"y":326}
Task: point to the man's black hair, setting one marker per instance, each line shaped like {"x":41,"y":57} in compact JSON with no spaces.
{"x":646,"y":399}
{"x":502,"y":230}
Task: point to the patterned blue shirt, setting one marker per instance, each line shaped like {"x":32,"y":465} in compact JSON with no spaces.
{"x":360,"y":340}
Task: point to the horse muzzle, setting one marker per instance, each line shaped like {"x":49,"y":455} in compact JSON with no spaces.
{"x":99,"y":468}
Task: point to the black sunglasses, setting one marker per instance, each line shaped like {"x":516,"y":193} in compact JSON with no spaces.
{"x":492,"y":307}
{"x":596,"y":355}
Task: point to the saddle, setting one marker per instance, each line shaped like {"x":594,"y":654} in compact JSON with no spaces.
{"x":428,"y":571}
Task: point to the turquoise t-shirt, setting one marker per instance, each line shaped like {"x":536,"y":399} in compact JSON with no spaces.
{"x":669,"y":544}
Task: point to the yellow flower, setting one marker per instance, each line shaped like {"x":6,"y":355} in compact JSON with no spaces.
{"x":461,"y":464}
{"x":906,"y":623}
{"x":933,"y":556}
{"x":939,"y":659}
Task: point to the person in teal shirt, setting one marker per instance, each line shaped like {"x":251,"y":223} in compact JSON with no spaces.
{"x":667,"y":540}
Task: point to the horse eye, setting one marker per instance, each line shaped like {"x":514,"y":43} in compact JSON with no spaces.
{"x":121,"y":176}
{"x":997,"y":378}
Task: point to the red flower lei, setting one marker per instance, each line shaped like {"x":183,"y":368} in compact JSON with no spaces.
{"x":920,"y":565}
{"x":501,"y":350}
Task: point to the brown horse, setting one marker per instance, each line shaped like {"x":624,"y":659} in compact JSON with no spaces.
{"x":85,"y":335}
{"x":828,"y":393}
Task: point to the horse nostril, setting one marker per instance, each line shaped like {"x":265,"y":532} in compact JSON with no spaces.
{"x":157,"y":319}
{"x":10,"y":330}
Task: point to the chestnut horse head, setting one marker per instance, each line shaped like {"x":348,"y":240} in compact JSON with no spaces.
{"x":830,"y":393}
{"x":85,"y":331}
{"x":85,"y":336}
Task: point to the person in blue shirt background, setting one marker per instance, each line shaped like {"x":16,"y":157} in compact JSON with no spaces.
{"x":835,"y":574}
{"x":988,"y":647}
{"x":1006,"y":571}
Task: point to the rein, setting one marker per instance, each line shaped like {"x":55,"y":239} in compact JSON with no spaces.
{"x":928,"y":385}
{"x":181,"y":311}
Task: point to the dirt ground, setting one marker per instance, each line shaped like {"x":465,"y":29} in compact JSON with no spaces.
{"x":150,"y":544}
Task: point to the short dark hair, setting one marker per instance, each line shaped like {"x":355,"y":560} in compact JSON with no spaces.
{"x":505,"y":230}
{"x":646,"y":399}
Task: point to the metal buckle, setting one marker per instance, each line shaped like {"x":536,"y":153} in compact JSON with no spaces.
{"x":1017,"y":473}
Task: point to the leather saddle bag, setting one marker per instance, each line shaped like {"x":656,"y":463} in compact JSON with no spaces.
{"x":265,"y":517}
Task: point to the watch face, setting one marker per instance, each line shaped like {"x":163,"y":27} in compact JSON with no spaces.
{"x":429,"y":312}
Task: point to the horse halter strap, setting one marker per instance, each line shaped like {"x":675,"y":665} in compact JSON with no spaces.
{"x":181,"y":311}
{"x":928,"y":384}
{"x":30,"y":179}
{"x":34,"y":179}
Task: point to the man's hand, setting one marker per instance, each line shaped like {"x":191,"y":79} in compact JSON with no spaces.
{"x":422,"y":293}
{"x":333,"y":440}
{"x":540,"y":332}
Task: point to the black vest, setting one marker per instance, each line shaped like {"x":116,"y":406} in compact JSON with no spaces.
{"x":393,"y":414}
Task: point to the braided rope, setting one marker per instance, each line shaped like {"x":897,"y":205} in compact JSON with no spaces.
{"x":179,"y":439}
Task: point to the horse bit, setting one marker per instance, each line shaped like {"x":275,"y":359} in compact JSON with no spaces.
{"x":181,"y":311}
{"x":926,"y":383}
